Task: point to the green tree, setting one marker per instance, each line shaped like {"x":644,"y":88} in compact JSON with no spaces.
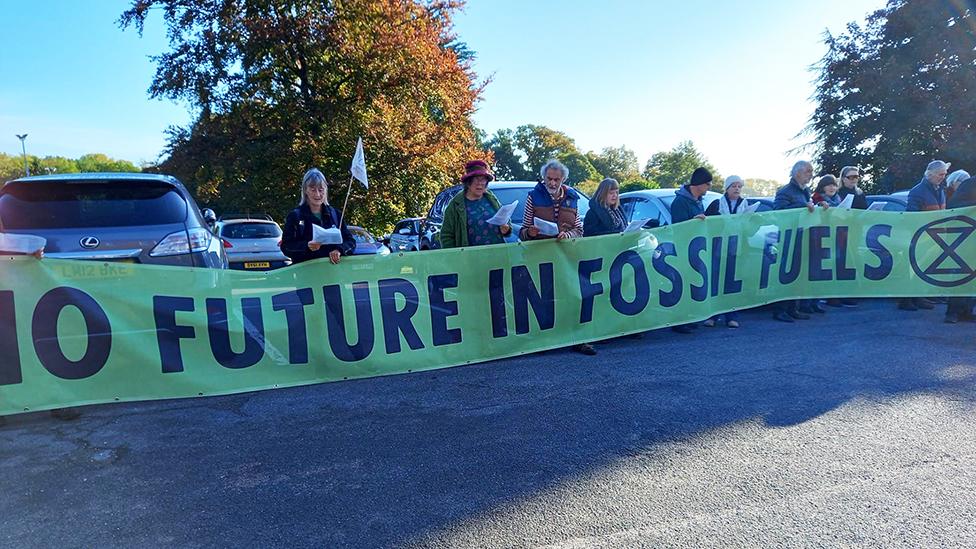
{"x":760,"y":187}
{"x":673,"y":168}
{"x":97,"y":162}
{"x":620,"y":163}
{"x":285,"y":85}
{"x":11,"y":167}
{"x":898,"y":92}
{"x":509,"y":164}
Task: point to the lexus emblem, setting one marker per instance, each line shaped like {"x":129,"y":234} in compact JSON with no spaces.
{"x":89,"y":242}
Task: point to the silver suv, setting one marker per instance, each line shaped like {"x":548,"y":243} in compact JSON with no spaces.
{"x":128,"y":217}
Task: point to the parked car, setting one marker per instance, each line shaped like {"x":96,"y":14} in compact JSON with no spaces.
{"x":655,"y":205}
{"x":894,"y":202}
{"x":765,"y":203}
{"x":406,"y":235}
{"x":366,"y":244}
{"x":505,"y":191}
{"x":126,"y":217}
{"x":251,"y":244}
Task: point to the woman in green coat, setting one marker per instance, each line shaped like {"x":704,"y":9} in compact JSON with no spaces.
{"x":466,"y":215}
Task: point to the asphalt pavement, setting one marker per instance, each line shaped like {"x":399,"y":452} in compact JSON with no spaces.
{"x":855,"y":428}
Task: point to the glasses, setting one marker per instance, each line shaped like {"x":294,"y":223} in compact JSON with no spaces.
{"x":852,"y":177}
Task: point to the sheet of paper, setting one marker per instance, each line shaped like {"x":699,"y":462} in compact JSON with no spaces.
{"x":751,"y":208}
{"x":847,"y":202}
{"x":13,"y":243}
{"x":503,"y":215}
{"x":545,"y":227}
{"x":636,"y":225}
{"x":326,"y":236}
{"x":878,"y":206}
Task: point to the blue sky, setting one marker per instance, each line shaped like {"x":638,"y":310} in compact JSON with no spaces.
{"x":731,"y":76}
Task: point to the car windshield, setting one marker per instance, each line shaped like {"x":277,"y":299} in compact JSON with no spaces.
{"x":250,"y":230}
{"x":60,"y":204}
{"x":362,"y":237}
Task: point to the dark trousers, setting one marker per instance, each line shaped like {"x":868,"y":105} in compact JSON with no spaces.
{"x":961,"y":306}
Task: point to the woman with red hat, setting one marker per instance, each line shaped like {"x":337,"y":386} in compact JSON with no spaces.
{"x":466,"y":215}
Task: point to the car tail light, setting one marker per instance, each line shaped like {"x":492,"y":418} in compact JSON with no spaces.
{"x":227,"y":243}
{"x":279,"y":243}
{"x":181,"y":242}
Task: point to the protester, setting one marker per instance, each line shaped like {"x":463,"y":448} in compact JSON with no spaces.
{"x":927,"y":195}
{"x":850,"y":176}
{"x":605,"y":215}
{"x":826,"y":193}
{"x":687,"y":205}
{"x":793,"y":195}
{"x":466,"y":215}
{"x":953,"y":180}
{"x":961,"y":308}
{"x":314,"y":209}
{"x":732,"y":202}
{"x":554,"y":202}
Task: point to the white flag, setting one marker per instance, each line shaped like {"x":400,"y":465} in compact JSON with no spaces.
{"x":358,"y":168}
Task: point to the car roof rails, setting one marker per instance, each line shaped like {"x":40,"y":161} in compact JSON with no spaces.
{"x":230,"y":216}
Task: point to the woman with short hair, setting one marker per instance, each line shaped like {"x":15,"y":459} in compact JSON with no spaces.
{"x":826,"y":192}
{"x":314,"y":209}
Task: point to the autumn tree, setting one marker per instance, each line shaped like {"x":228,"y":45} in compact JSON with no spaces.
{"x":897,"y":92}
{"x":279,"y":86}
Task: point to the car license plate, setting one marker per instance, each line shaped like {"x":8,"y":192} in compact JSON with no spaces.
{"x":257,"y":265}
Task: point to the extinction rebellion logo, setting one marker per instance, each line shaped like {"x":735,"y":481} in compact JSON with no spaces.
{"x":941,"y":251}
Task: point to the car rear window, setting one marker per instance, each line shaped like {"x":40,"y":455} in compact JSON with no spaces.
{"x":361,"y":236}
{"x":250,"y":230}
{"x":59,"y":204}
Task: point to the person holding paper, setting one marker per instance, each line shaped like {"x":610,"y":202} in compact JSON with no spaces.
{"x":731,"y":203}
{"x":605,"y":215}
{"x":826,"y":195}
{"x":554,"y":202}
{"x":849,"y":178}
{"x":297,"y":239}
{"x":555,"y":205}
{"x":469,"y":216}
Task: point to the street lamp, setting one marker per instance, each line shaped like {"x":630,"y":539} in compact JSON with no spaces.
{"x":23,"y":148}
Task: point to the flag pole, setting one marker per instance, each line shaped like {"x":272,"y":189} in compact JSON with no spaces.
{"x":342,"y":216}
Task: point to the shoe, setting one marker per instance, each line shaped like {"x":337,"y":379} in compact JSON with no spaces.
{"x":951,"y":318}
{"x":683,"y":329}
{"x":585,"y":349}
{"x":710,"y":323}
{"x":967,"y":317}
{"x":65,"y":414}
{"x":805,"y":310}
{"x":924,"y":304}
{"x":798,"y":315}
{"x":735,"y":323}
{"x":817,"y":308}
{"x":848,"y":303}
{"x":783,"y":317}
{"x":907,"y":305}
{"x":835,"y":303}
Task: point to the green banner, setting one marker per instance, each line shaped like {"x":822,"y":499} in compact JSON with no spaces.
{"x":78,"y":332}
